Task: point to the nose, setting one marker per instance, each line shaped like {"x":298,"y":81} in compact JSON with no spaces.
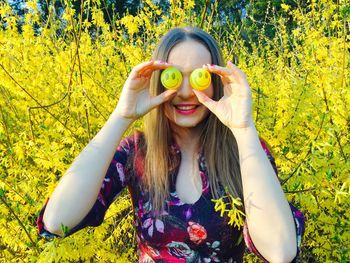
{"x":185,"y":90}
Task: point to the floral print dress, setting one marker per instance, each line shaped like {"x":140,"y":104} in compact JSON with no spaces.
{"x":183,"y":233}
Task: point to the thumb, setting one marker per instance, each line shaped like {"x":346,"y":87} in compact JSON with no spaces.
{"x":163,"y":97}
{"x":205,"y":100}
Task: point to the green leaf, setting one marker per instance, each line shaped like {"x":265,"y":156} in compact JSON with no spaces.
{"x":345,"y":11}
{"x":64,"y":229}
{"x":329,"y":174}
{"x":43,"y":126}
{"x":296,"y":186}
{"x":285,"y":150}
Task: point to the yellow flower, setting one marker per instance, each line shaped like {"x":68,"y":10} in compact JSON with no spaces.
{"x":235,"y":215}
{"x":285,"y":7}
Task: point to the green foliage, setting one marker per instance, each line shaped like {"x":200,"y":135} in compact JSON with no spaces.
{"x":57,"y":91}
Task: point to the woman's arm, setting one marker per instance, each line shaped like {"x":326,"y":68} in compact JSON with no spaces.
{"x":269,"y":217}
{"x":77,"y":190}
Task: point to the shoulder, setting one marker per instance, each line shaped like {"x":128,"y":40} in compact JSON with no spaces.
{"x":131,"y":141}
{"x":132,"y":148}
{"x":125,"y":150}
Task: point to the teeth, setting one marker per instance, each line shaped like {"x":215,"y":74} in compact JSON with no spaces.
{"x":186,"y":107}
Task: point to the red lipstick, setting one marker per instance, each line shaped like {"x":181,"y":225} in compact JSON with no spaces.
{"x":185,"y":109}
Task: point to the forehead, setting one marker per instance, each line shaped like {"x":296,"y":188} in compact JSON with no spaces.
{"x":189,"y":55}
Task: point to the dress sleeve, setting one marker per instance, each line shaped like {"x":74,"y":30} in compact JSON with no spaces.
{"x":115,"y":180}
{"x":299,"y":220}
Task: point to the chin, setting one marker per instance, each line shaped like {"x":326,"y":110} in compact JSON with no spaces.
{"x":186,"y":124}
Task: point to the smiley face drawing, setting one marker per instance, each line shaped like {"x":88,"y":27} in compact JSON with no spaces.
{"x":200,"y":79}
{"x":171,"y":78}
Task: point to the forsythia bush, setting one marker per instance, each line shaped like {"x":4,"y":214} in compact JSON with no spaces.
{"x":60,"y":80}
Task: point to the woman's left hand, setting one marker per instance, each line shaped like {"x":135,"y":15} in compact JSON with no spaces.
{"x":234,"y":109}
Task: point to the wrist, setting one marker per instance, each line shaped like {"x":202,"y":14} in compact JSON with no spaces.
{"x":248,"y":131}
{"x":248,"y":143}
{"x":246,"y":135}
{"x":120,"y":118}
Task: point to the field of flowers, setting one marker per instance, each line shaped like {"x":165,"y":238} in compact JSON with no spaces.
{"x":61,"y":78}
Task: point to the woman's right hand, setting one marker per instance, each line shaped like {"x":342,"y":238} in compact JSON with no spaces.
{"x":135,"y":99}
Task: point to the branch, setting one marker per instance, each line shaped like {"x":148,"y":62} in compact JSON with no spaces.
{"x":74,"y":135}
{"x":307,"y":154}
{"x":204,"y":13}
{"x":300,"y":191}
{"x":332,"y":123}
{"x":20,"y":222}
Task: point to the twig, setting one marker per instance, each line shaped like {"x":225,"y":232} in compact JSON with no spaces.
{"x":204,"y":13}
{"x":75,"y":136}
{"x":300,"y":191}
{"x":20,"y":222}
{"x":299,"y":100}
{"x":257,"y":107}
{"x":332,"y":123}
{"x":39,"y":107}
{"x":307,"y":154}
{"x":85,"y":94}
{"x":6,"y":128}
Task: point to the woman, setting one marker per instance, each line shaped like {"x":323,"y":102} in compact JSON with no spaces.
{"x":196,"y":146}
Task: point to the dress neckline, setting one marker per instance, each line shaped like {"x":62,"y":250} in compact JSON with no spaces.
{"x":175,"y":148}
{"x":175,"y":199}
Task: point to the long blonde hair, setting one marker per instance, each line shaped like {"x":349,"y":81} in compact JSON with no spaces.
{"x":219,"y":144}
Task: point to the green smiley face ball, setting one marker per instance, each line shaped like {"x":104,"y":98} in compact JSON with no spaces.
{"x":200,"y":79}
{"x":171,"y":78}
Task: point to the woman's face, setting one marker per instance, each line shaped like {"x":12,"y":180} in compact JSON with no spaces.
{"x":184,"y":110}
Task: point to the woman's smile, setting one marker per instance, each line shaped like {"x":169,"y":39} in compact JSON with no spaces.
{"x":186,"y":109}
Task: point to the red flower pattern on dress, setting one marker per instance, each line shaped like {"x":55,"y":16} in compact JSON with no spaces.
{"x":196,"y":232}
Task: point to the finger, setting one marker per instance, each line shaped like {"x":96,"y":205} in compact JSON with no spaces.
{"x":142,"y":65}
{"x":235,"y":69}
{"x":163,"y":97}
{"x":228,"y":72}
{"x":205,"y":100}
{"x":221,"y":71}
{"x":224,"y":73}
{"x":146,"y":73}
{"x":240,"y":76}
{"x":227,"y":91}
{"x":157,"y":65}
